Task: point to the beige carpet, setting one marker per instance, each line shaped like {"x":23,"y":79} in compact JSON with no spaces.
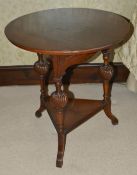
{"x":28,"y":145}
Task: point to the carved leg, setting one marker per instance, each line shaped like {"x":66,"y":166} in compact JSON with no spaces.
{"x":59,"y":100}
{"x":107,"y":73}
{"x":42,"y":67}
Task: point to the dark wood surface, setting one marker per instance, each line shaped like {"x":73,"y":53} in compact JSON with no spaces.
{"x":74,"y":115}
{"x":67,"y":31}
{"x":84,"y":73}
{"x":63,"y":38}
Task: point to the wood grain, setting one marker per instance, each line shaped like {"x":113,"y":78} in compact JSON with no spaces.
{"x":69,"y":31}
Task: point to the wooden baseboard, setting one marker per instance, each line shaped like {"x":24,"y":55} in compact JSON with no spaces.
{"x":84,"y":73}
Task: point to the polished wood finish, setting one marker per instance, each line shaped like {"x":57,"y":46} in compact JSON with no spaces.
{"x":107,"y":74}
{"x":83,"y":73}
{"x":42,"y":68}
{"x":64,"y":38}
{"x":73,"y":114}
{"x":68,"y":31}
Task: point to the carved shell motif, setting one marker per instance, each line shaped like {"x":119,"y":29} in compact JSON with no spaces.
{"x":106,"y":72}
{"x":58,"y":99}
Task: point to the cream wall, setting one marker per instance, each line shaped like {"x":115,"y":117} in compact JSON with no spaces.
{"x":10,"y":9}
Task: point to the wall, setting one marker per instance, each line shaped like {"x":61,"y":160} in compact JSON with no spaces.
{"x":10,"y":9}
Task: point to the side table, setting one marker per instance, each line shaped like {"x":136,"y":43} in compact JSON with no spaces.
{"x":62,"y":38}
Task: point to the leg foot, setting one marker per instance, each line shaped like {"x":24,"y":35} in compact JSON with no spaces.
{"x":59,"y":161}
{"x":114,"y":120}
{"x":42,"y":107}
{"x":108,"y":113}
{"x":61,"y":149}
{"x":38,"y":114}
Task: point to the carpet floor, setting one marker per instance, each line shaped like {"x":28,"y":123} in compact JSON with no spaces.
{"x":28,"y":145}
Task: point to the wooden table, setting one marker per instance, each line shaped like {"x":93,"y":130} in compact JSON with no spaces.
{"x":63,"y":38}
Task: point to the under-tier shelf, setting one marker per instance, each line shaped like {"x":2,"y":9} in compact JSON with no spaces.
{"x":76,"y":112}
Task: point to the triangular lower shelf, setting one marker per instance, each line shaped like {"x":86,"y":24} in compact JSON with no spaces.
{"x":76,"y":112}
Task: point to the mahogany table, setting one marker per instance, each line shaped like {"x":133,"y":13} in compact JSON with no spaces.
{"x":62,"y":38}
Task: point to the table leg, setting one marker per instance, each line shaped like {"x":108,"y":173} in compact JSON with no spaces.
{"x":59,"y":100}
{"x":42,"y":67}
{"x":107,"y":74}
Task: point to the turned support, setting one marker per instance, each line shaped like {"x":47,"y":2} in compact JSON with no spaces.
{"x":42,"y":68}
{"x":59,"y":100}
{"x":107,"y":73}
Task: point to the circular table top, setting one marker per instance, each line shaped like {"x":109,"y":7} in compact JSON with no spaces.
{"x":68,"y":31}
